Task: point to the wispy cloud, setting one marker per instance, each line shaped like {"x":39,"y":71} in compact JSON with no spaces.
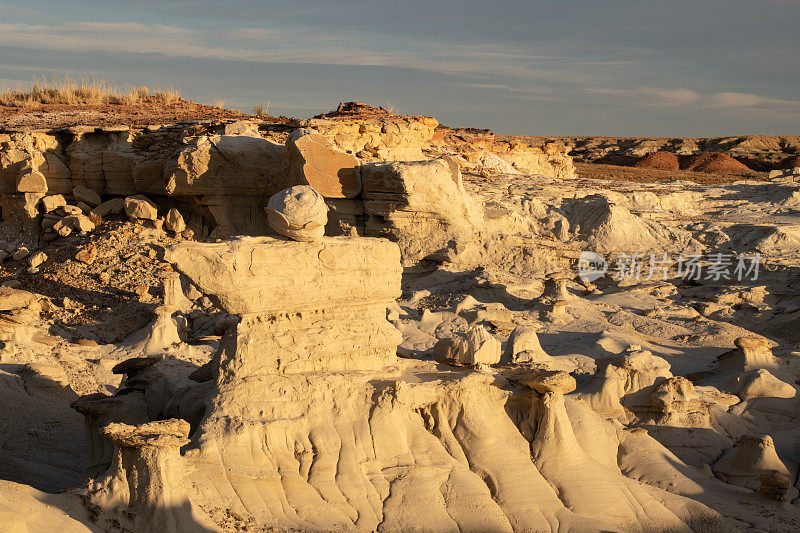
{"x":749,"y":101}
{"x":487,"y":61}
{"x":528,"y":92}
{"x":109,"y":36}
{"x":650,"y":96}
{"x":575,"y":68}
{"x":682,"y":97}
{"x":271,"y":45}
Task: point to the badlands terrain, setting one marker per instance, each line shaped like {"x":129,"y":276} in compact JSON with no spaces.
{"x":371,"y":322}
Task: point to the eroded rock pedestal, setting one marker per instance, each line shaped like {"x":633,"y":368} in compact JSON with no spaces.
{"x":316,"y":306}
{"x":146,"y":477}
{"x":313,"y":422}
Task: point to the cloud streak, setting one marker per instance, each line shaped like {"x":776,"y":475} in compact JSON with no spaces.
{"x":275,"y":45}
{"x":748,"y":101}
{"x":682,"y":97}
{"x":493,"y":61}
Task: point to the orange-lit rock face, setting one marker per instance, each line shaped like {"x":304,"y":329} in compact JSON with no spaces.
{"x":331,"y":171}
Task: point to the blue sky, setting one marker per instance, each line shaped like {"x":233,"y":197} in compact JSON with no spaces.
{"x":569,"y":67}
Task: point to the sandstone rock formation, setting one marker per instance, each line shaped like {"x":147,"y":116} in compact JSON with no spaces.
{"x":421,"y":205}
{"x":113,"y":206}
{"x":480,"y":150}
{"x":556,"y":445}
{"x":52,"y":202}
{"x":753,"y":456}
{"x":607,"y":225}
{"x":18,"y":310}
{"x":145,"y":477}
{"x":140,"y":207}
{"x":383,"y":136}
{"x":202,"y":170}
{"x":85,"y":194}
{"x":341,"y":278}
{"x":555,"y":287}
{"x":675,"y":402}
{"x":750,"y":353}
{"x":331,"y":171}
{"x":259,"y":382}
{"x":549,"y":160}
{"x":625,"y":381}
{"x":299,"y":213}
{"x":99,"y":410}
{"x":353,"y":405}
{"x":219,"y":177}
{"x":523,"y":346}
{"x":174,"y":221}
{"x":31,"y":180}
{"x":761,"y":384}
{"x":477,"y":347}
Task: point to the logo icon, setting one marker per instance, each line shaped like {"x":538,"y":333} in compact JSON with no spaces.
{"x":591,"y":266}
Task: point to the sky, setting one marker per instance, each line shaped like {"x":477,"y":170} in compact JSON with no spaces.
{"x":567,"y":67}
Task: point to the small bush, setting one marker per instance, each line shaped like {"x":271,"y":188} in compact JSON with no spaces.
{"x":260,"y":111}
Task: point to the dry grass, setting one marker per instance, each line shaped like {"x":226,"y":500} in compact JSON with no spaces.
{"x":134,"y":96}
{"x":83,"y":91}
{"x":217,"y":102}
{"x":260,"y":111}
{"x":167,"y":96}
